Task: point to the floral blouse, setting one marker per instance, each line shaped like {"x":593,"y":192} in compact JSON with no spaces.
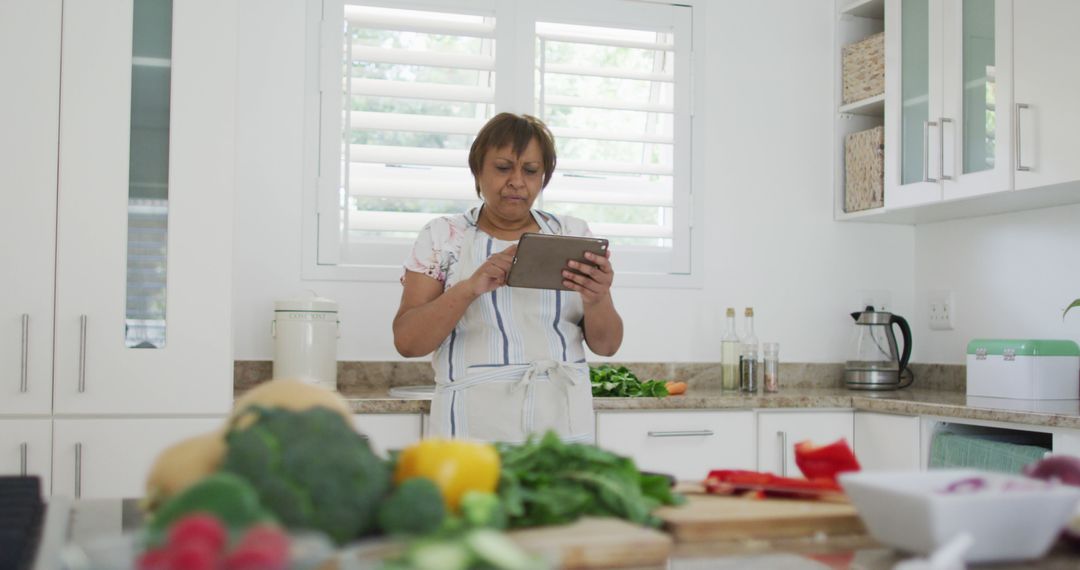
{"x":437,"y":247}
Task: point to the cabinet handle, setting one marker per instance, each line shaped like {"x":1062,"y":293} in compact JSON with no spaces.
{"x":23,"y":449}
{"x":82,"y":353}
{"x":24,"y":353}
{"x":1019,"y":164}
{"x":926,"y":151}
{"x":782,"y":436}
{"x":682,"y":433}
{"x":78,"y":470}
{"x":941,"y":148}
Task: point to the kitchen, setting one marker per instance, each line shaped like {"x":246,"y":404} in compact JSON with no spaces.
{"x":765,"y":228}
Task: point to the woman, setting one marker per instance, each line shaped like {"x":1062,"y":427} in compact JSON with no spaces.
{"x":508,"y":361}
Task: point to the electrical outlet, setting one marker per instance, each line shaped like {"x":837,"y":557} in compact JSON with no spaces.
{"x":879,"y":299}
{"x":942,"y":311}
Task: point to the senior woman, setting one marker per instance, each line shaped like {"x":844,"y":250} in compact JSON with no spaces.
{"x":508,"y":361}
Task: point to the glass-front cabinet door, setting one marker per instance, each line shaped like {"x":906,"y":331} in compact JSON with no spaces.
{"x":144,"y":208}
{"x":913,"y":77}
{"x":977,"y":101}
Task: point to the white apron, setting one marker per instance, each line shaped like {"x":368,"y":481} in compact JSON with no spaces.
{"x":515,"y":363}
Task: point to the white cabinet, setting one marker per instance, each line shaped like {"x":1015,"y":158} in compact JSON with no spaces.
{"x":887,"y":442}
{"x":110,"y":458}
{"x":64,"y":210}
{"x":779,"y":430}
{"x":95,"y":371}
{"x":948,"y":100}
{"x":1046,"y":87}
{"x":30,"y":66}
{"x":686,"y":444}
{"x":26,"y":448}
{"x":387,"y":432}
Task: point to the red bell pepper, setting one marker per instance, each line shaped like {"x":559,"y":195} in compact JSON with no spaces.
{"x":825,"y":461}
{"x":732,"y":481}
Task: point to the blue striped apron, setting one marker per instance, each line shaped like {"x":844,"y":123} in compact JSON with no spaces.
{"x":514,"y":363}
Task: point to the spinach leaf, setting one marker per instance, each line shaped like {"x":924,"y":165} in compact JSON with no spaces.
{"x":610,"y":381}
{"x":545,"y":481}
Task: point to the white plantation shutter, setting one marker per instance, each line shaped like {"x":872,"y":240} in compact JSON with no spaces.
{"x":417,"y":80}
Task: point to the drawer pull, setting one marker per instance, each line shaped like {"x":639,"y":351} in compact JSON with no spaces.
{"x":23,"y":449}
{"x":682,"y":433}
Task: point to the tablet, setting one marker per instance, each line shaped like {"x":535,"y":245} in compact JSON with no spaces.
{"x":541,"y":258}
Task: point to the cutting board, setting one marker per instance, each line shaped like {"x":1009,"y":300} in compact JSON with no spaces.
{"x":585,"y":544}
{"x":597,"y":543}
{"x":712,"y":517}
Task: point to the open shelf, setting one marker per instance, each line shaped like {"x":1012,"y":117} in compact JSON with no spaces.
{"x":872,"y":106}
{"x":874,"y":9}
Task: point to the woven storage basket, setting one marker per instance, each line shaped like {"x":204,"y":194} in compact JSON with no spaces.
{"x":864,"y":68}
{"x":864,"y":167}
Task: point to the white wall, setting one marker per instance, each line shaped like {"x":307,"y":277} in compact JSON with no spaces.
{"x":1012,"y":275}
{"x":770,"y":238}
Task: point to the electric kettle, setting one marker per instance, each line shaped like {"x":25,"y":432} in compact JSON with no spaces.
{"x":874,"y":364}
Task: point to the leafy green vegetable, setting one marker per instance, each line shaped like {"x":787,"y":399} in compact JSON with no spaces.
{"x":311,"y":469}
{"x":608,"y":381}
{"x":228,"y":497}
{"x":545,"y":481}
{"x":482,"y":510}
{"x":415,"y":507}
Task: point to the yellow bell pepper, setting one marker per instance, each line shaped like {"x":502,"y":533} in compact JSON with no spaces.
{"x":455,"y":466}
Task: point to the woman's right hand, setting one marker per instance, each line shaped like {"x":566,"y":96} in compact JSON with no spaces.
{"x":492,"y":274}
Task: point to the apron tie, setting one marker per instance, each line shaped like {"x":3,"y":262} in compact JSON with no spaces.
{"x":559,"y":373}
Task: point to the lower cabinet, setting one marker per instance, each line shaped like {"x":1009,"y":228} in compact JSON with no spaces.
{"x":779,"y":430}
{"x":887,"y":442}
{"x":388,"y":432}
{"x":26,"y":448}
{"x":686,"y":444}
{"x":110,"y":458}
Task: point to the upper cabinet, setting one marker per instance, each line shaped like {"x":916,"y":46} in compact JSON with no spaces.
{"x":1046,"y":90}
{"x":119,"y":217}
{"x":948,"y":103}
{"x":978,"y":105}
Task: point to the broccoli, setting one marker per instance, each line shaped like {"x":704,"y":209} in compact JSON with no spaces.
{"x":483,"y":510}
{"x":415,"y":507}
{"x":311,"y":469}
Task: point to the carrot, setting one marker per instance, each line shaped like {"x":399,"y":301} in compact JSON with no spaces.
{"x":676,"y":388}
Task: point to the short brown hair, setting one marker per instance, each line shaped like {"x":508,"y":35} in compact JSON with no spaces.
{"x":516,"y":130}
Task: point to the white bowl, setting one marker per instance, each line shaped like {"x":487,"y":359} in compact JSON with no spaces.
{"x":1010,"y":517}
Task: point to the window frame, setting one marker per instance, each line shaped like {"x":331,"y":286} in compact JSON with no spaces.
{"x":325,"y":43}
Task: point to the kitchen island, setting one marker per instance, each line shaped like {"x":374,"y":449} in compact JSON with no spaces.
{"x":104,"y":520}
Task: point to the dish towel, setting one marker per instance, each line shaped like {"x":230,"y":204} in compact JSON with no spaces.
{"x":955,"y":450}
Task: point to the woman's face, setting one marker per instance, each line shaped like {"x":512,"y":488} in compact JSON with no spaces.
{"x":509,"y":184}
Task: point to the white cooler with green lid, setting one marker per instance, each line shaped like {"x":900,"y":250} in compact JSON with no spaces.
{"x":1024,"y":369}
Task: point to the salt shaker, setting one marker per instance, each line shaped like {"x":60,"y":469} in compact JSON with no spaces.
{"x":771,"y":366}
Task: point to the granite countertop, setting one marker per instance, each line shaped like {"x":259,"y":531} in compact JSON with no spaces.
{"x":1048,"y":413}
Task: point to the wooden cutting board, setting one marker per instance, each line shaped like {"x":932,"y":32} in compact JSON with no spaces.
{"x":597,"y":543}
{"x":585,"y":544}
{"x":711,"y":517}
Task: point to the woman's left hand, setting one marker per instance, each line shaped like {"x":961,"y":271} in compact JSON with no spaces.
{"x":593,"y":282}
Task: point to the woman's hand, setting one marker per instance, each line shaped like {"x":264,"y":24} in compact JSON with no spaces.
{"x":594,"y":283}
{"x":492,"y":274}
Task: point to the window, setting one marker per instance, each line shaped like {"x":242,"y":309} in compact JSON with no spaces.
{"x":406,"y":86}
